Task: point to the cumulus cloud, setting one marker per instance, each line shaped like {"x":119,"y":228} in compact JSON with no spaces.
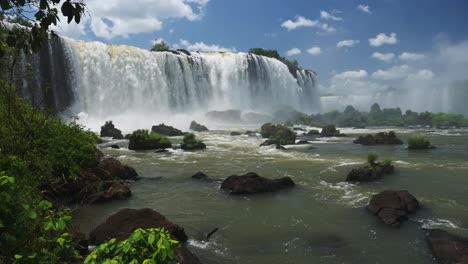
{"x":121,"y":18}
{"x":305,"y":22}
{"x":347,"y":43}
{"x":327,"y":16}
{"x":314,"y":51}
{"x":385,"y":57}
{"x":202,"y":47}
{"x":359,"y":74}
{"x":423,"y":74}
{"x":393,"y":73}
{"x":293,"y":52}
{"x":407,"y":56}
{"x":364,"y":8}
{"x":382,"y":39}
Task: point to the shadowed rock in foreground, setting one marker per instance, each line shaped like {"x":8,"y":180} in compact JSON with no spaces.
{"x":393,"y":207}
{"x":252,"y":183}
{"x":122,"y":224}
{"x":447,"y":248}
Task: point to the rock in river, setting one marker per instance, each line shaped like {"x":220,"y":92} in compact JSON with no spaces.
{"x":370,"y":172}
{"x":122,"y":224}
{"x":164,"y":130}
{"x":447,"y":248}
{"x":393,"y":207}
{"x":251,"y":183}
{"x":382,"y":138}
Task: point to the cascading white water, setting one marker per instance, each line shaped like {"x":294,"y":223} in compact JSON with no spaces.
{"x":110,"y":81}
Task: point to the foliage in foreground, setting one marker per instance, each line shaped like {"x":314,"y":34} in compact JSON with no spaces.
{"x":147,"y":246}
{"x":30,"y":230}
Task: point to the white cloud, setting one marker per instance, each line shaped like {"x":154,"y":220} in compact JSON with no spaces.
{"x":364,"y":8}
{"x":314,"y":51}
{"x":382,"y":39}
{"x":202,"y":47}
{"x":407,"y":56}
{"x":360,"y":74}
{"x":304,"y":22}
{"x":121,"y":18}
{"x":385,"y":57}
{"x":394,"y":73}
{"x":423,"y":74}
{"x":327,"y":16}
{"x":293,"y":52}
{"x":347,"y":43}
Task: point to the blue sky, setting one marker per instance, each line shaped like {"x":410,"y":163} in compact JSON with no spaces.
{"x":407,"y":35}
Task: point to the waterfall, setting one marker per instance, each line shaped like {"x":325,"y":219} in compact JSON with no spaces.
{"x":99,"y":81}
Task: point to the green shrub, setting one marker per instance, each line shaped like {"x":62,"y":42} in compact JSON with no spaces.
{"x":387,"y":162}
{"x":283,"y":136}
{"x":190,"y":142}
{"x":372,"y":158}
{"x":418,"y":142}
{"x":142,"y":140}
{"x":149,"y":246}
{"x":31,"y":232}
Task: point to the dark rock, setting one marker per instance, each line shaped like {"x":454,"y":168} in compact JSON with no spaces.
{"x":116,"y":191}
{"x":393,"y":207}
{"x":382,"y":138}
{"x":115,"y":146}
{"x":227,"y":116}
{"x":197,"y":127}
{"x":234,"y":133}
{"x":251,"y":133}
{"x":370,"y":173}
{"x":313,"y":132}
{"x":303,"y":142}
{"x":122,"y":224}
{"x":268,"y":130}
{"x":164,"y":130}
{"x":280,"y":147}
{"x":277,"y":135}
{"x":200,"y":176}
{"x":109,"y":130}
{"x":447,"y":248}
{"x":252,"y":183}
{"x":161,"y":151}
{"x":331,"y":131}
{"x":117,"y":170}
{"x":79,"y":240}
{"x":128,"y":136}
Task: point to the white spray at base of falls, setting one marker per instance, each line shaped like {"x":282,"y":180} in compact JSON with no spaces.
{"x":111,"y":81}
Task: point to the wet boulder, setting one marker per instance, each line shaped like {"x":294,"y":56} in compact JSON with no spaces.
{"x":331,"y":131}
{"x":164,"y":130}
{"x":382,"y":138}
{"x":115,"y":146}
{"x":370,"y":173}
{"x":200,"y":176}
{"x":117,"y":170}
{"x":235,"y":133}
{"x":251,"y":133}
{"x":197,"y":127}
{"x":122,"y":224}
{"x":109,"y":130}
{"x":447,"y":248}
{"x":252,"y":183}
{"x":393,"y":207}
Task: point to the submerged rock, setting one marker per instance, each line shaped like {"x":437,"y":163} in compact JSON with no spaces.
{"x":303,"y":142}
{"x":199,"y":176}
{"x":197,"y":127}
{"x":393,"y":207}
{"x":331,"y":131}
{"x":370,"y":172}
{"x":252,"y":183}
{"x":447,"y":248}
{"x":382,"y":138}
{"x":280,"y":147}
{"x":115,"y":146}
{"x":109,"y":130}
{"x":164,"y":130}
{"x":122,"y":224}
{"x":234,"y":133}
{"x":251,"y":133}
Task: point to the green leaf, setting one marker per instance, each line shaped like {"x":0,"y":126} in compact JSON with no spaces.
{"x":18,"y":256}
{"x":151,"y":238}
{"x":32,"y":214}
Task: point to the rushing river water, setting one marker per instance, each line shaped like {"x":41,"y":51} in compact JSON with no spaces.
{"x":322,"y":220}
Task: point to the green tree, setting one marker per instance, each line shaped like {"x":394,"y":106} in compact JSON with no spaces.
{"x":160,"y":46}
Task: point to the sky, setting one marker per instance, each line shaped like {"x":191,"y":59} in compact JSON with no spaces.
{"x":363,"y":46}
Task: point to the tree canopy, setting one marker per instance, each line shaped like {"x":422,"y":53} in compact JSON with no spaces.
{"x":160,"y":46}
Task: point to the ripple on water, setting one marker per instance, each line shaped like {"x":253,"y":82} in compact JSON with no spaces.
{"x":343,"y":192}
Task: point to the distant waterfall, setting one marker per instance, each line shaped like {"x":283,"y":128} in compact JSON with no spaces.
{"x":102,"y":80}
